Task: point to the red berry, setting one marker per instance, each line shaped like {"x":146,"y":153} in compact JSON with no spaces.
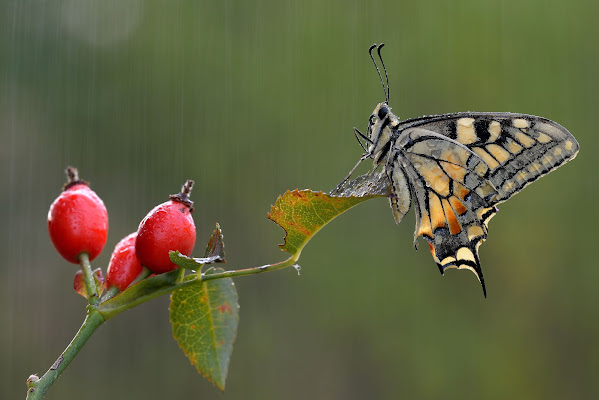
{"x":77,"y":220}
{"x":169,"y":226}
{"x":123,"y":267}
{"x":79,"y":285}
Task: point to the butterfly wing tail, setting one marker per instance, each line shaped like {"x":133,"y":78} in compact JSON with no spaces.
{"x":465,"y":256}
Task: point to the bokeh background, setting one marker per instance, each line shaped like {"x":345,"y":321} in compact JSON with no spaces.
{"x":251,"y":99}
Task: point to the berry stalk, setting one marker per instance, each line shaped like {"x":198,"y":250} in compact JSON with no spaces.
{"x":88,"y":278}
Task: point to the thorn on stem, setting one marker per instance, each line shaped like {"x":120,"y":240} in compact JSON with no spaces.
{"x":32,"y":379}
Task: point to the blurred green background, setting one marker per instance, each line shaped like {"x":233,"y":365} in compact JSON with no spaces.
{"x":251,"y":99}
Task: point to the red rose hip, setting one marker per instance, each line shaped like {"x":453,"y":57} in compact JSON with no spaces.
{"x":169,"y":226}
{"x":77,"y":220}
{"x":124,"y":266}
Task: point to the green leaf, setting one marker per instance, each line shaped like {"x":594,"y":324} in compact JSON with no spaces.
{"x":194,"y":264}
{"x":302,"y":213}
{"x":204,"y":320}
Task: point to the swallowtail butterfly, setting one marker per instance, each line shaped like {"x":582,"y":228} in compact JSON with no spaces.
{"x":455,"y":168}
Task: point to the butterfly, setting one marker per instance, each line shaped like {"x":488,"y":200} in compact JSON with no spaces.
{"x":455,"y":168}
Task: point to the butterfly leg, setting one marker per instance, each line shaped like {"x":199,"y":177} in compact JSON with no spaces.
{"x":340,"y":185}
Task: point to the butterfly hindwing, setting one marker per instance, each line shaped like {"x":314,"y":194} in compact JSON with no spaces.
{"x":449,"y":185}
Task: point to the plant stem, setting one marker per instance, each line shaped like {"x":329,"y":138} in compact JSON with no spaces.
{"x":113,"y":290}
{"x":159,"y":285}
{"x":250,"y":271}
{"x":110,"y":293}
{"x":88,"y":278}
{"x":134,"y":295}
{"x":37,"y":388}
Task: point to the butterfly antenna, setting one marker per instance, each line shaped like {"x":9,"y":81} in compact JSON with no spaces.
{"x":378,"y":50}
{"x":377,"y":68}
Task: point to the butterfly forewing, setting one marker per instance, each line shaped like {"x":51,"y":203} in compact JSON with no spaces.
{"x":449,"y":185}
{"x":517,"y":148}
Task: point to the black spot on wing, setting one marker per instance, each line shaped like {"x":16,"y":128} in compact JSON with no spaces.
{"x":451,"y":129}
{"x":481,"y":128}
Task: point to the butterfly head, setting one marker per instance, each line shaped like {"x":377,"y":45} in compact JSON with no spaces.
{"x":380,"y":131}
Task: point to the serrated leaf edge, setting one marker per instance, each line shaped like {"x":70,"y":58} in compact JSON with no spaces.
{"x":298,"y":191}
